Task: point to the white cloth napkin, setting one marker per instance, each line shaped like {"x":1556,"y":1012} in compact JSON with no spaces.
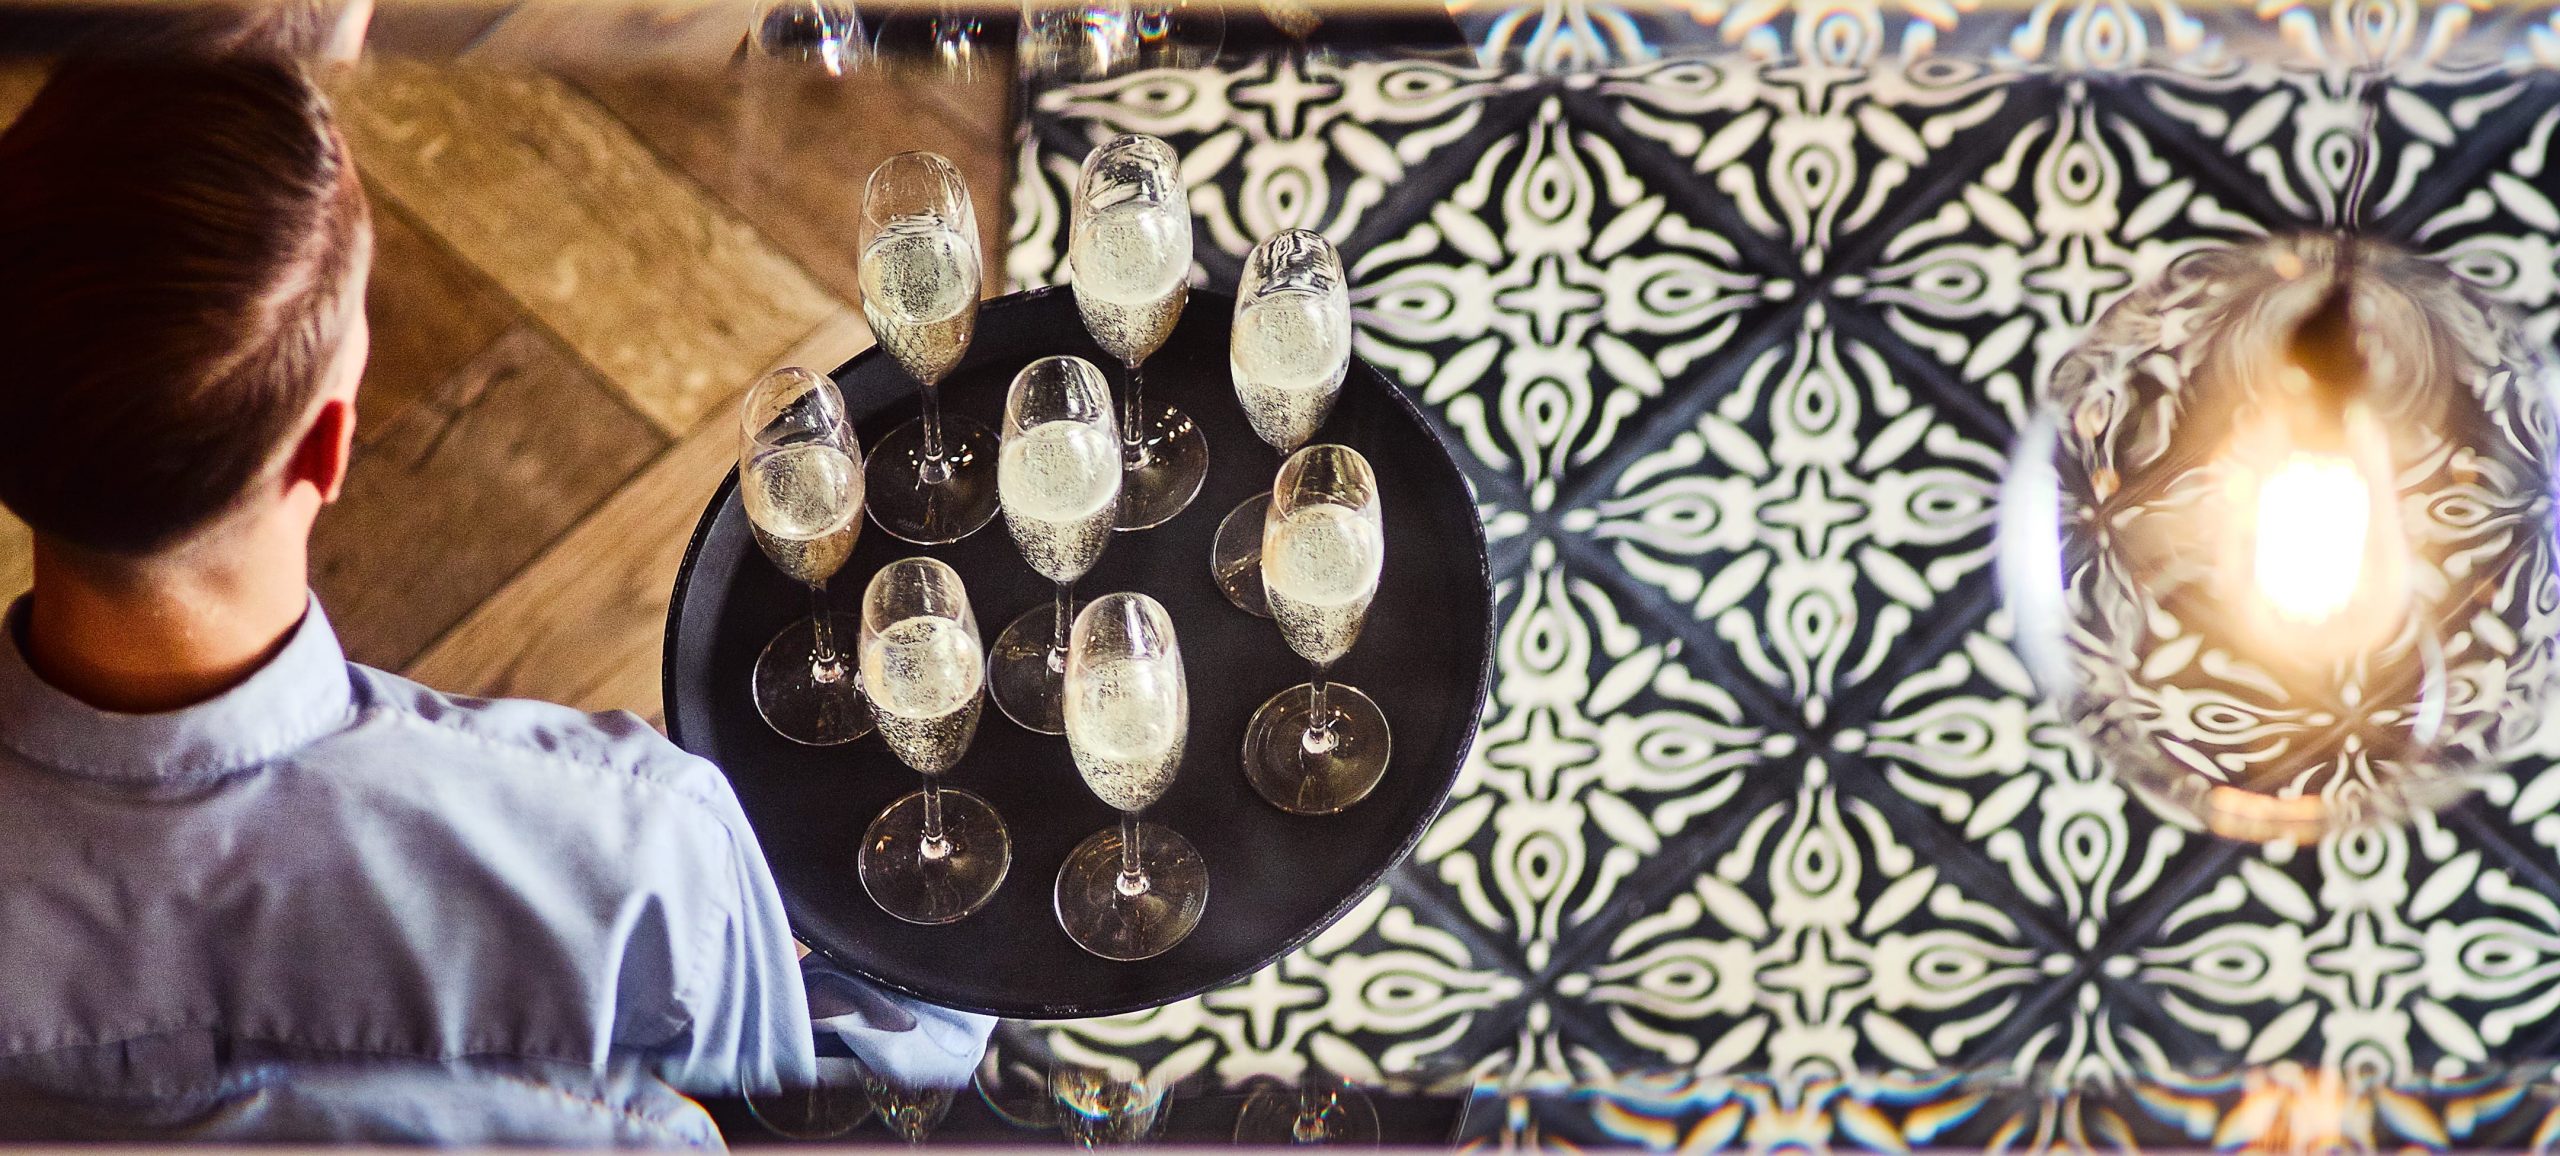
{"x":903,"y":1040}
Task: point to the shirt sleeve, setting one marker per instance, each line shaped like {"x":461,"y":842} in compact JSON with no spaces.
{"x":750,"y":1029}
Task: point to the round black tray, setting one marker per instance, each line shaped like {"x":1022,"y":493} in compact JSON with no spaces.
{"x":1275,"y":879}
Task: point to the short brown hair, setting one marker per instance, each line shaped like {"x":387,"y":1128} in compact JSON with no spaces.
{"x":152,"y":29}
{"x":176,"y":241}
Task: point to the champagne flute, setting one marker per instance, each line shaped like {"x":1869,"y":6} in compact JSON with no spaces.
{"x":800,"y":479}
{"x":1132,"y":891}
{"x":1317,"y":747}
{"x":1058,"y":473}
{"x":935,"y":855}
{"x":933,"y":479}
{"x":1129,"y":250}
{"x":1289,"y":350}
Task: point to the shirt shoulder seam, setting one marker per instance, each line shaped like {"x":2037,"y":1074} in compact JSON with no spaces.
{"x":619,"y":772}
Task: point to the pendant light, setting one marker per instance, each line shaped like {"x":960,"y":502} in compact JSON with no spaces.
{"x":2279,"y":537}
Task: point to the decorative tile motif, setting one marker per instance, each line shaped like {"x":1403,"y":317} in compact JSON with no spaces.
{"x":1565,"y":36}
{"x":1732,"y":342}
{"x":1548,"y":299}
{"x":2283,"y":1106}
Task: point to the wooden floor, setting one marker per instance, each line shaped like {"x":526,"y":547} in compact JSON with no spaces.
{"x":579,"y":266}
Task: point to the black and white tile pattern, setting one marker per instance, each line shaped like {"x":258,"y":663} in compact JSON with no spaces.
{"x":1733,"y":343}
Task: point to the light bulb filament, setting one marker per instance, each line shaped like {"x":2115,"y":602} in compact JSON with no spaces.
{"x":2314,"y":517}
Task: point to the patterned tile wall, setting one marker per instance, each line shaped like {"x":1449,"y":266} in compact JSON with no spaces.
{"x":1732,"y":344}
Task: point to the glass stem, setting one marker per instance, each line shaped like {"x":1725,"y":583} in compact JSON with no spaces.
{"x":1133,"y":878}
{"x":1320,"y":737}
{"x":936,"y":467}
{"x":1060,"y":622}
{"x":935,"y":846}
{"x":824,"y":667}
{"x":1133,"y":426}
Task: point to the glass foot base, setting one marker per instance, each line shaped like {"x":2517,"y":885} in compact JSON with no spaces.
{"x":1176,"y":462}
{"x":1279,"y":761}
{"x":1113,"y":924}
{"x":792,"y":699}
{"x":1321,"y":1111}
{"x":911,"y":511}
{"x":910,"y":1113}
{"x":1103,"y":1110}
{"x":915,"y":887}
{"x":1235,"y":558}
{"x":830,"y":1107}
{"x":1020,"y":679}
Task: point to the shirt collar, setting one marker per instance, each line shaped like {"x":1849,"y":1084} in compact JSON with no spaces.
{"x":299,"y":695}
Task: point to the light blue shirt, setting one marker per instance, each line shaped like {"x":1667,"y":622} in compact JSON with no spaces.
{"x":330,"y":863}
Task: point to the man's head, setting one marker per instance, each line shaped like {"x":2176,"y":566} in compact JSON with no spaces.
{"x":183,"y":254}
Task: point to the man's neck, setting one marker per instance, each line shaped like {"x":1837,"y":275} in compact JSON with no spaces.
{"x":163,"y":633}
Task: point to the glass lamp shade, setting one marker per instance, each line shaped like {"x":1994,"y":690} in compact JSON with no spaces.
{"x":2290,"y":577}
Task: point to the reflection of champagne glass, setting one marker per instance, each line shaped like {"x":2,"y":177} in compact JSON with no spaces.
{"x":1289,"y":349}
{"x":800,"y":479}
{"x":956,"y":42}
{"x":1129,"y":247}
{"x":1136,"y":890}
{"x":1179,"y":33}
{"x":824,"y":1109}
{"x":911,"y":1111}
{"x":1058,"y":471}
{"x":824,"y":33}
{"x":1102,"y":1110}
{"x":1321,"y":1110}
{"x":933,"y":479}
{"x":1317,"y":748}
{"x":944,"y":41}
{"x":935,"y":855}
{"x":1077,"y":39}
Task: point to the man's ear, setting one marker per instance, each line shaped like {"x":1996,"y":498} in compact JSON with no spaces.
{"x":327,"y":445}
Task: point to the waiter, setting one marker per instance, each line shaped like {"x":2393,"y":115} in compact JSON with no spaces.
{"x":226,"y":852}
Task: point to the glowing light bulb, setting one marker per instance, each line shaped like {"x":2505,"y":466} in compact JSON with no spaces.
{"x":2312,"y":525}
{"x":2315,"y":561}
{"x":2278,"y":539}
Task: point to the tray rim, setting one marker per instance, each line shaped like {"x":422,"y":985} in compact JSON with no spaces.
{"x":1028,"y":1010}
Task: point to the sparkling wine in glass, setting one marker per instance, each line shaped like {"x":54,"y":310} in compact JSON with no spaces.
{"x":800,"y":478}
{"x":1135,"y":890}
{"x":1129,"y":252}
{"x":932,"y":479}
{"x":1288,"y":351}
{"x":935,"y":855}
{"x":1058,"y":472}
{"x":1319,"y":747}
